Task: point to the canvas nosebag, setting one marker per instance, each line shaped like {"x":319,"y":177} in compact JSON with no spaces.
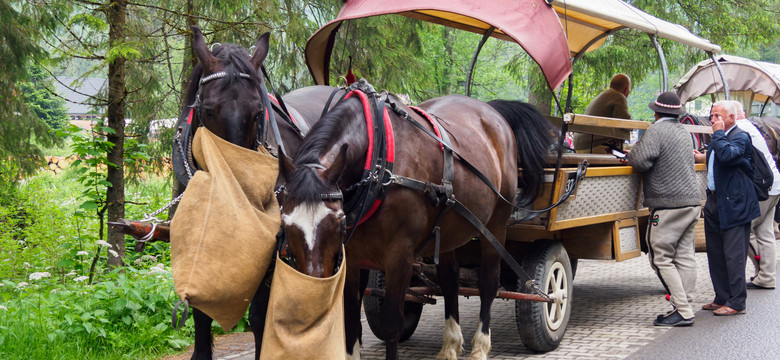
{"x":305,"y":317}
{"x":224,"y":231}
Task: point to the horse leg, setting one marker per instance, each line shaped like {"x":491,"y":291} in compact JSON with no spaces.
{"x":448,"y":272}
{"x":203,"y":341}
{"x":397,"y":277}
{"x":354,"y":286}
{"x":257,"y":311}
{"x":488,"y":287}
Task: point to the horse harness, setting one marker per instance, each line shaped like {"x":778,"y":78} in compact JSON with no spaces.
{"x":365,"y":196}
{"x":186,"y":130}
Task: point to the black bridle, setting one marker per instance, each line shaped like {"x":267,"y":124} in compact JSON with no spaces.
{"x":281,"y":237}
{"x":186,"y":130}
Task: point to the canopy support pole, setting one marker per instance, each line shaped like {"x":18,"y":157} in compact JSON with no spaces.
{"x":662,"y":59}
{"x":722,"y":75}
{"x":474,"y":58}
{"x":764,"y":106}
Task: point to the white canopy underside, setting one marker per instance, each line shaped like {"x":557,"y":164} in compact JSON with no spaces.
{"x":585,"y":20}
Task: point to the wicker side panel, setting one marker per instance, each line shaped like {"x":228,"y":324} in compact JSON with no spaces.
{"x":627,"y":239}
{"x":702,"y":176}
{"x":601,"y":195}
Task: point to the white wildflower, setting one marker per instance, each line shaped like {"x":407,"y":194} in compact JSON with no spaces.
{"x":39,"y":275}
{"x":27,"y":265}
{"x":80,"y":278}
{"x":113,"y":253}
{"x":21,"y":284}
{"x":137,"y":261}
{"x":104,"y":243}
{"x":53,"y":291}
{"x":82,"y":252}
{"x":3,"y":308}
{"x":159,"y":268}
{"x":71,"y":273}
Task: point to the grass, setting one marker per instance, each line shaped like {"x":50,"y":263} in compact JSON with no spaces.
{"x":47,"y":308}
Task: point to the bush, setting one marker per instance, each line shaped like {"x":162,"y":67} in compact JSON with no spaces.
{"x":125,"y":316}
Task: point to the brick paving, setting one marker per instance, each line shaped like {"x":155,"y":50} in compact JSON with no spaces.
{"x":612,"y":317}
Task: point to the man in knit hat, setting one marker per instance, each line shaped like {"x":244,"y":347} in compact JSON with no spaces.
{"x":671,"y":190}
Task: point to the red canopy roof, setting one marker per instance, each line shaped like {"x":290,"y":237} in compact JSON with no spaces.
{"x":533,"y":24}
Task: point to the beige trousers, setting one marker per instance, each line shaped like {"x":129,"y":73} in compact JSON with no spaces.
{"x":763,"y":243}
{"x":670,"y":242}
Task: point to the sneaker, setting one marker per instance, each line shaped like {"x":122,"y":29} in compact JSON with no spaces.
{"x":673,"y":319}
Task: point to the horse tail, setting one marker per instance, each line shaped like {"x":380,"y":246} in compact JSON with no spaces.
{"x":534,"y":135}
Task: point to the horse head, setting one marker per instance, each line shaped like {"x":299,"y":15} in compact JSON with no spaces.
{"x":313,"y":218}
{"x":230,"y":93}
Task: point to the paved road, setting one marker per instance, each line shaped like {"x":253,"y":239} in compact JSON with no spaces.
{"x":613,"y":310}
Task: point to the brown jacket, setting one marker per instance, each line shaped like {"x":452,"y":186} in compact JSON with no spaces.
{"x":609,"y":103}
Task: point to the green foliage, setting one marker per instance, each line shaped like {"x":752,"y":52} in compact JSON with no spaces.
{"x":22,"y":131}
{"x":39,"y":98}
{"x":124,"y":316}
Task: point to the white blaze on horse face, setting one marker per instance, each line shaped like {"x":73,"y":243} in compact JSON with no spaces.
{"x":307,"y":218}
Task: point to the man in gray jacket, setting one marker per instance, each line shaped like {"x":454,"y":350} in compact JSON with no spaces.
{"x":664,"y":156}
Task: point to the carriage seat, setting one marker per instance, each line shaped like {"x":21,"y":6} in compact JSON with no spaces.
{"x":573,"y":159}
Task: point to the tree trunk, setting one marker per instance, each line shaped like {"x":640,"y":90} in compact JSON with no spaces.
{"x":115,"y":194}
{"x":188,"y":61}
{"x":539,"y":93}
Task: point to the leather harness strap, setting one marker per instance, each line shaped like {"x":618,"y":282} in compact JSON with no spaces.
{"x":450,"y":202}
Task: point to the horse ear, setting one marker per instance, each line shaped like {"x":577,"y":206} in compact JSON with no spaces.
{"x":205,"y":57}
{"x":335,"y":170}
{"x":261,"y":50}
{"x":285,"y":166}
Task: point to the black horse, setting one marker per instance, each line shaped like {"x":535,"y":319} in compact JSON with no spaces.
{"x":228,"y":96}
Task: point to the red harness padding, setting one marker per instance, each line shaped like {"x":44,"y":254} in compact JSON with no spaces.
{"x":273,"y":98}
{"x":427,"y":116}
{"x":390,"y":143}
{"x":189,"y":118}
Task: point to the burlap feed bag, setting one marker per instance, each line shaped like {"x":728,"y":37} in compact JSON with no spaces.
{"x":305,"y":317}
{"x":224,"y":231}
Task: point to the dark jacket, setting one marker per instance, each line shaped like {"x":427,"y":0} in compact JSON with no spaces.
{"x":737,"y":201}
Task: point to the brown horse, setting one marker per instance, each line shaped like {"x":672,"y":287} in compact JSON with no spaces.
{"x":227,"y":95}
{"x":337,"y":157}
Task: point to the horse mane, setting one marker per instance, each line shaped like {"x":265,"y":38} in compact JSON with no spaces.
{"x":533,"y":133}
{"x":303,"y":184}
{"x":234,"y":58}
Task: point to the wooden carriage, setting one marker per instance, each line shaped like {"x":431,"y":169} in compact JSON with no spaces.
{"x":603,"y":219}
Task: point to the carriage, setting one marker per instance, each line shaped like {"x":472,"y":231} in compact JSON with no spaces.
{"x":599,"y":213}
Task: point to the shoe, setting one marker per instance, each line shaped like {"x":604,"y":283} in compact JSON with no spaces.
{"x":726,"y":311}
{"x":711,"y":306}
{"x":751,"y":285}
{"x":673,"y":319}
{"x":660,"y":317}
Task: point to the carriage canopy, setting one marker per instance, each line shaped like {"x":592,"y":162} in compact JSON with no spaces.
{"x":588,"y":23}
{"x":532,"y":24}
{"x":748,"y":80}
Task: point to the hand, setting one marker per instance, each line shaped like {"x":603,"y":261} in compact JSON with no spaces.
{"x":699,"y":157}
{"x":624,"y":161}
{"x":718,"y":124}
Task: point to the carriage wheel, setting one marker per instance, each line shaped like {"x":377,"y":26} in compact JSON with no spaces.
{"x":542,"y":325}
{"x":373,"y":304}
